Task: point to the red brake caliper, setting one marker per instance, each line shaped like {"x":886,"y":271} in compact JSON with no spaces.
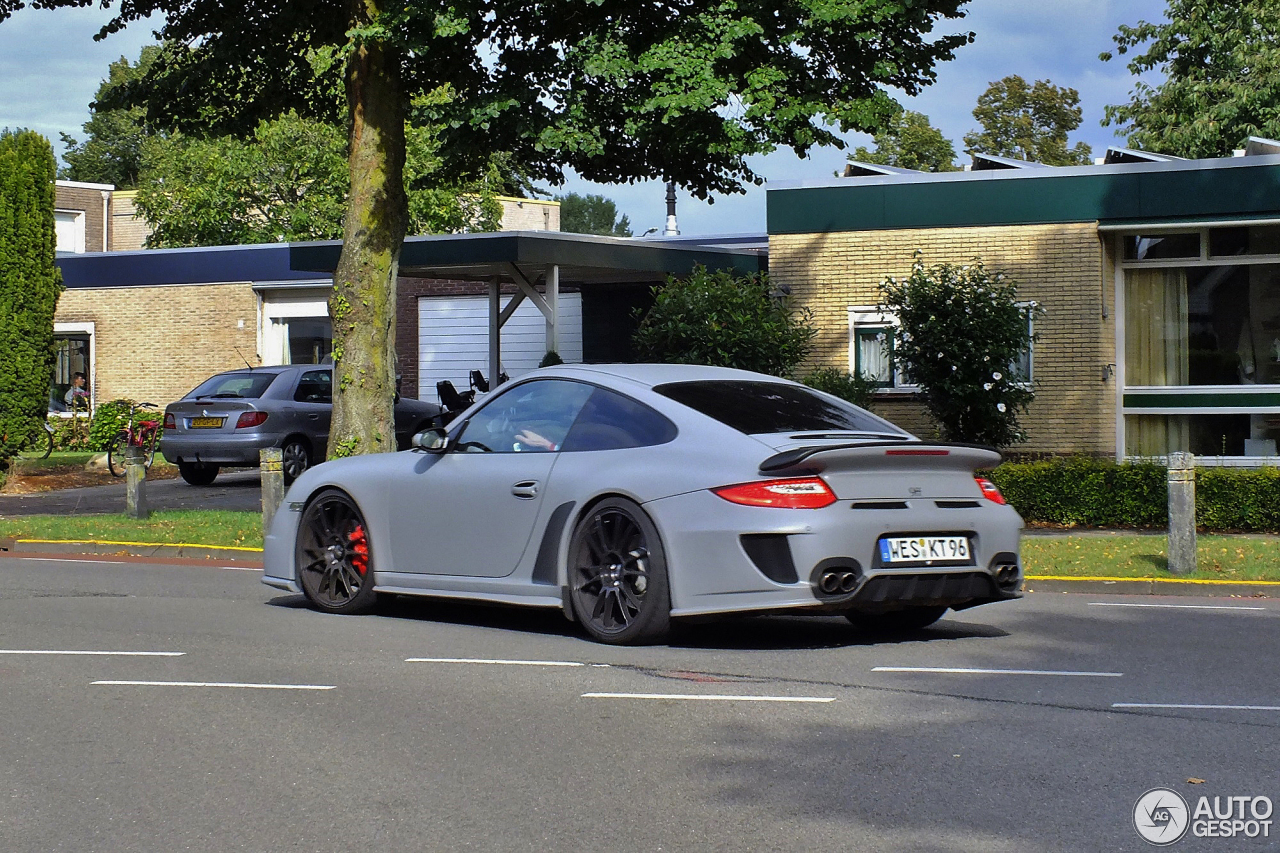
{"x":359,"y":550}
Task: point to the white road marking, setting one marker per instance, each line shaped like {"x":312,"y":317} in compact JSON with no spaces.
{"x":66,"y":560}
{"x":708,"y":697}
{"x":1174,"y":606}
{"x":241,"y":569}
{"x":75,"y":652}
{"x":957,"y":670}
{"x":218,"y":684}
{"x":1197,"y":707}
{"x":497,"y":661}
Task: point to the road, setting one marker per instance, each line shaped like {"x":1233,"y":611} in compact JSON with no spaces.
{"x":265,"y":726}
{"x":234,"y":490}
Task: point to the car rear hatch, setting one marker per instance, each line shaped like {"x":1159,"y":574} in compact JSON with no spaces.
{"x":210,"y":417}
{"x":887,"y":471}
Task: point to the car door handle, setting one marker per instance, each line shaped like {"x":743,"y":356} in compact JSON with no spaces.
{"x":526,"y":489}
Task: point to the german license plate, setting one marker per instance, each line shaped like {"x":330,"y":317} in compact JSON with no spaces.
{"x":205,"y":423}
{"x":925,"y":549}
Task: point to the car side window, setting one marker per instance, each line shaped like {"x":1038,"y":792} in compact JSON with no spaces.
{"x":314,"y":386}
{"x":610,"y":421}
{"x":531,"y":417}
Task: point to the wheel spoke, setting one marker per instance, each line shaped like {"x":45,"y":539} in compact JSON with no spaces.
{"x":629,"y":601}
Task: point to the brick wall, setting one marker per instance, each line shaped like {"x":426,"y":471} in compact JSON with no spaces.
{"x":129,"y":231}
{"x":157,"y":343}
{"x":88,"y":199}
{"x":1063,"y":267}
{"x":527,"y":214}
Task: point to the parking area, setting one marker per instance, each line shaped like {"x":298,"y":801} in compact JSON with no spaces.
{"x":162,"y":707}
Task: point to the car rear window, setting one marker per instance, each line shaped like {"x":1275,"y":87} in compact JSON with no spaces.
{"x":772,"y":407}
{"x":233,"y":385}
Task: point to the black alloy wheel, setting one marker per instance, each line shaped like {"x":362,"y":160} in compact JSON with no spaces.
{"x":908,"y":619}
{"x":198,"y":473}
{"x":295,"y":458}
{"x":618,"y":575}
{"x":332,"y":555}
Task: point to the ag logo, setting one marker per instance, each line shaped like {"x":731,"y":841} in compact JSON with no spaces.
{"x":1160,"y":816}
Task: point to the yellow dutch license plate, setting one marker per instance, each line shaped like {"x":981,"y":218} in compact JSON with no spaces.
{"x":205,"y":423}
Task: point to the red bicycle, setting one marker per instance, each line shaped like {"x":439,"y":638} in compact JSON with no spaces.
{"x":145,"y":434}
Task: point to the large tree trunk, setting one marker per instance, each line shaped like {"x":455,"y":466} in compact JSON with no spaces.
{"x":363,"y":303}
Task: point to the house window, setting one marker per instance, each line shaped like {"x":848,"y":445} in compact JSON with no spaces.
{"x":871,"y":342}
{"x":72,"y":357}
{"x":68,"y":227}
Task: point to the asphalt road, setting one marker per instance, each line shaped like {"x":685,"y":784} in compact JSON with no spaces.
{"x":332,"y":739}
{"x":235,"y":490}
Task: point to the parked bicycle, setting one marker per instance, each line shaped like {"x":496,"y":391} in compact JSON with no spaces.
{"x":145,"y":434}
{"x":39,"y":444}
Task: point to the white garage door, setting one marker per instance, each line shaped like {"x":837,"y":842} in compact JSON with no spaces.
{"x":453,"y":338}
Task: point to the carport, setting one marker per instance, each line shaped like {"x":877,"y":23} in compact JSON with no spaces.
{"x":538,"y":263}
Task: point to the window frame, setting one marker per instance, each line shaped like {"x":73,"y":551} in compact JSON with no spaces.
{"x":866,"y":318}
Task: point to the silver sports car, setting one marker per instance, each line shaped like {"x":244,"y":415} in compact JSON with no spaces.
{"x":629,"y":495}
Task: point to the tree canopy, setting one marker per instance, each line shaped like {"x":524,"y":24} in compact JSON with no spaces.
{"x":592,"y":214}
{"x":1028,"y":122}
{"x":111,"y":152}
{"x":908,"y":141}
{"x":1221,"y":63}
{"x":683,"y":91}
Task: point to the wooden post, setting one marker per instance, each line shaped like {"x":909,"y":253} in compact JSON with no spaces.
{"x":271,"y":460}
{"x":135,"y":483}
{"x":1182,"y":513}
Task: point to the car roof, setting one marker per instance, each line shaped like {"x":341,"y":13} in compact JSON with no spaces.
{"x":650,"y":375}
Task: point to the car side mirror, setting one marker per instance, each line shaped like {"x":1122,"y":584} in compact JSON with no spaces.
{"x":434,"y":440}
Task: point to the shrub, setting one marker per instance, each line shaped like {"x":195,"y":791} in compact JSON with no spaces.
{"x":1101,"y":493}
{"x":961,"y":334}
{"x":70,"y":433}
{"x":551,"y":359}
{"x":110,"y":418}
{"x":852,"y":387}
{"x":29,"y":284}
{"x":725,"y":320}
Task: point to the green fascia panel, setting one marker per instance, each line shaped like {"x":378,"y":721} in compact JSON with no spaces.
{"x":1026,"y":199}
{"x":1192,"y":400}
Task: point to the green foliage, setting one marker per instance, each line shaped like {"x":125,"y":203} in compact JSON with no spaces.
{"x":70,"y":433}
{"x":908,"y":141}
{"x":551,"y":359}
{"x":1221,"y":64}
{"x":720,"y":319}
{"x":29,"y":285}
{"x":1028,"y":123}
{"x":961,"y":331}
{"x":112,"y":150}
{"x":1100,"y":493}
{"x":851,"y":387}
{"x":592,"y":214}
{"x":111,"y":417}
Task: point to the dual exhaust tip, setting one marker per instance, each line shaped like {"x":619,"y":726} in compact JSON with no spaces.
{"x":1007,"y":576}
{"x":836,"y":582}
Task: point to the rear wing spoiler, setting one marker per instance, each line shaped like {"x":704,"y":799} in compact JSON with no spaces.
{"x":880,"y":455}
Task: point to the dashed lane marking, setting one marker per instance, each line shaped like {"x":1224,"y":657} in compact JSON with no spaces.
{"x":1175,"y":606}
{"x":708,"y":697}
{"x":499,"y":662}
{"x":957,"y":670}
{"x":1196,"y":707}
{"x":217,"y":684}
{"x":85,"y":652}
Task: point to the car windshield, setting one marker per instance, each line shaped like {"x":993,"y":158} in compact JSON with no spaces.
{"x":772,"y":407}
{"x":235,"y":385}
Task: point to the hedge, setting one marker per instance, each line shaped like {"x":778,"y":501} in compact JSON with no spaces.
{"x":1100,"y":493}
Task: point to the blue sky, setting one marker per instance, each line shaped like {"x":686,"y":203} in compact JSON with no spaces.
{"x":50,"y":68}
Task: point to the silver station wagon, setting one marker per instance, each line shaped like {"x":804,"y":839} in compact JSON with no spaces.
{"x":233,"y":415}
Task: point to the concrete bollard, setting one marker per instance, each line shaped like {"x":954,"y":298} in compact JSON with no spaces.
{"x":1182,"y":513}
{"x":135,"y":483}
{"x":271,"y":461}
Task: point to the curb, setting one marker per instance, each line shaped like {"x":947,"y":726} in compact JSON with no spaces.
{"x":1154,"y":586}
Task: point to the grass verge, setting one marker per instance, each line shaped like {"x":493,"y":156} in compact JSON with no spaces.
{"x":216,"y":528}
{"x":1226,"y":558}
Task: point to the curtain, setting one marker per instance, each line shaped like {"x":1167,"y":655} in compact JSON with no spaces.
{"x":1157,"y":352}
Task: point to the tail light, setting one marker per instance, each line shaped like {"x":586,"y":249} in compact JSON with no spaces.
{"x":250,"y":419}
{"x":989,"y":490}
{"x":169,"y":421}
{"x":798,"y":493}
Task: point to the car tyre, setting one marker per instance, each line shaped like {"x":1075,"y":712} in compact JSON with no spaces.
{"x":198,"y":473}
{"x":295,"y":458}
{"x":618,"y":584}
{"x":908,"y":619}
{"x":333,"y":556}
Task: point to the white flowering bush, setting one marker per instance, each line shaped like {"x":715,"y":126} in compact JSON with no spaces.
{"x":962,"y":333}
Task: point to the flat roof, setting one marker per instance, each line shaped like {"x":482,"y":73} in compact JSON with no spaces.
{"x":582,"y":258}
{"x":1112,"y":193}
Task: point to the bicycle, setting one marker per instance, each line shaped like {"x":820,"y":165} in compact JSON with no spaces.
{"x":40,"y":444}
{"x":146,"y":434}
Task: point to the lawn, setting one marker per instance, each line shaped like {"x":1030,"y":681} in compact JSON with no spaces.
{"x":1227,"y":558}
{"x":219,"y":528}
